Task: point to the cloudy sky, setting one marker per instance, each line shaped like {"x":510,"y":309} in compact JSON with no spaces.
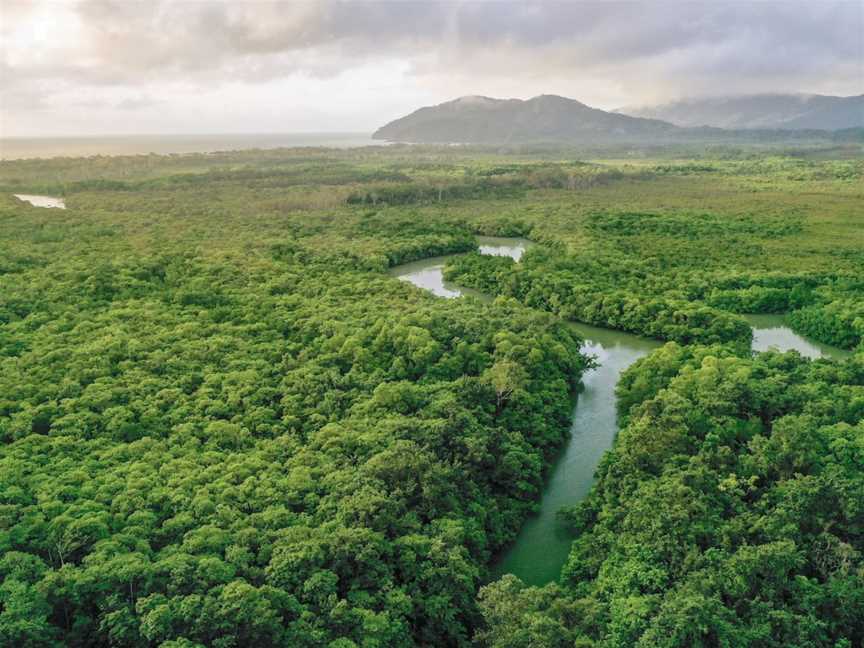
{"x":208,"y":66}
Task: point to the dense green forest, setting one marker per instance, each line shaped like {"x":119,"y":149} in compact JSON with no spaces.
{"x":729,"y":513}
{"x":223,"y":424}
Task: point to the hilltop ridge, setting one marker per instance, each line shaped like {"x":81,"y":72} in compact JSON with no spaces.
{"x":475,"y":118}
{"x":482,"y":120}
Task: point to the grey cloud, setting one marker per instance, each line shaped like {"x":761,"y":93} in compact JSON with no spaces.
{"x":672,"y":44}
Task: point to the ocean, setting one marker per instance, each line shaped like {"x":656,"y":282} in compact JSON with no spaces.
{"x":13,"y":148}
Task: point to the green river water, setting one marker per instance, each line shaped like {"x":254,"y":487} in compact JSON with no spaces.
{"x":542,"y":546}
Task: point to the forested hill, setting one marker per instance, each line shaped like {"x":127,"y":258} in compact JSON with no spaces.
{"x":547,"y":117}
{"x":763,"y":111}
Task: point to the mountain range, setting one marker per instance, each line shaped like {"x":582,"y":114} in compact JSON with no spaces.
{"x":762,"y":111}
{"x":477,"y":119}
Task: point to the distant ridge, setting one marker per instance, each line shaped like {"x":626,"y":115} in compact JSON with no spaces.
{"x":760,"y":111}
{"x":477,"y":119}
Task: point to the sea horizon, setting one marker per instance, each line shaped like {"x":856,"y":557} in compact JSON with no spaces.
{"x":53,"y":146}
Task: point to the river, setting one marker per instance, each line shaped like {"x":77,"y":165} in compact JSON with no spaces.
{"x":429,"y":273}
{"x":771,"y":332}
{"x":542,"y":546}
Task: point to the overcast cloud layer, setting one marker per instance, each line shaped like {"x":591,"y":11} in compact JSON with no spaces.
{"x":212,"y":66}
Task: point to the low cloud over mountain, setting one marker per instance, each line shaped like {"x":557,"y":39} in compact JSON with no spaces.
{"x":220,"y":65}
{"x":787,"y":111}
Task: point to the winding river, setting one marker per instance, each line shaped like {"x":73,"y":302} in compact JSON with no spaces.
{"x":542,"y":546}
{"x":429,"y":273}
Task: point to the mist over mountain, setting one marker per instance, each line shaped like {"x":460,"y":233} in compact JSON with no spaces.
{"x":546,"y":117}
{"x":761,"y":111}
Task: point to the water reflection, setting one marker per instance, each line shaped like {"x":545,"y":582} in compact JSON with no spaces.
{"x":542,"y":546}
{"x":503,"y":246}
{"x":772,"y":332}
{"x":429,"y":273}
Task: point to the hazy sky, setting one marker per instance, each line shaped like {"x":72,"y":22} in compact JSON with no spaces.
{"x":206,"y":66}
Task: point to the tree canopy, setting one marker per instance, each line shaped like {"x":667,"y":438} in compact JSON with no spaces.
{"x":223,"y":424}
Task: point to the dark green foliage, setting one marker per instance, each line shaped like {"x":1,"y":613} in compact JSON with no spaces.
{"x":755,"y":299}
{"x":839,"y":322}
{"x":550,"y":281}
{"x":411,"y":194}
{"x":685,"y":225}
{"x":258,"y":443}
{"x":728,"y":514}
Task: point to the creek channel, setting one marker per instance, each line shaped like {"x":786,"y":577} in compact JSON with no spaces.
{"x":542,"y":546}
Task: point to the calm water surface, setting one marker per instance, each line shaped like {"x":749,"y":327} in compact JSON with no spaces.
{"x":542,"y":546}
{"x":12,"y":148}
{"x":42,"y":201}
{"x":503,"y":246}
{"x":772,"y":332}
{"x":429,"y":273}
